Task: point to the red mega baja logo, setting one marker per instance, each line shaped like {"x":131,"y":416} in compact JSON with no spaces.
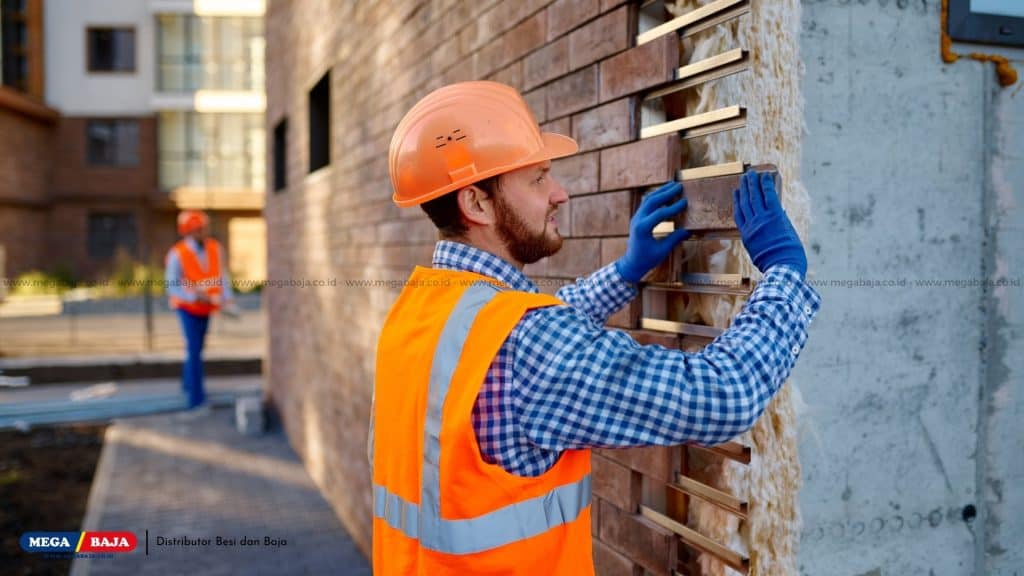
{"x":106,"y":542}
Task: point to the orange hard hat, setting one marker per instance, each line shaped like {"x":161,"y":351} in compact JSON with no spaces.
{"x":464,"y":133}
{"x":191,"y":220}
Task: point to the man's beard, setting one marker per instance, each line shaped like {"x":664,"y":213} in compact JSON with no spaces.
{"x":523,"y":244}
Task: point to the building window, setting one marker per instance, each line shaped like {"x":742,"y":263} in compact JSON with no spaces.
{"x":987,"y":21}
{"x":111,"y":49}
{"x":211,"y":150}
{"x":112,"y":142}
{"x":14,"y":47}
{"x":320,"y":124}
{"x":111,"y":233}
{"x":281,"y":155}
{"x":209,"y":53}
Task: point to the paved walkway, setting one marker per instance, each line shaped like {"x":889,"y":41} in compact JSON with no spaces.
{"x":28,"y":406}
{"x":179,"y":476}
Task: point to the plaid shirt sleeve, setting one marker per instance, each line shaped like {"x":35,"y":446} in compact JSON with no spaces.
{"x":577,"y":384}
{"x":599,"y":295}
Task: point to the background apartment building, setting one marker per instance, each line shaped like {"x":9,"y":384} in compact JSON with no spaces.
{"x":153,"y":106}
{"x":26,"y":126}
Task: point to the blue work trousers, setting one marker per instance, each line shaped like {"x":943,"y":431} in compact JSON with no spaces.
{"x":194,"y":327}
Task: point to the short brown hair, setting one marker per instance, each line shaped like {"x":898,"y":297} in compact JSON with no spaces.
{"x":445,"y":213}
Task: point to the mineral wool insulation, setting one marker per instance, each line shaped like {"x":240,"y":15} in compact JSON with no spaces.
{"x":770,"y":91}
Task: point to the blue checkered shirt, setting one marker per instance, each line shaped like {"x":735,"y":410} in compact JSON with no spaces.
{"x":563,"y":381}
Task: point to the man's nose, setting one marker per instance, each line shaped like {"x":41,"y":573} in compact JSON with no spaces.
{"x":559,"y":196}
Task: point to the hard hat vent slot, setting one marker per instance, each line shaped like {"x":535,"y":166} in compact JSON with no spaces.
{"x":442,"y":141}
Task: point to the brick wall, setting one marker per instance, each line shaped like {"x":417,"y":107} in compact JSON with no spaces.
{"x":25,"y":154}
{"x":575,"y":64}
{"x":77,"y":179}
{"x":80,"y":189}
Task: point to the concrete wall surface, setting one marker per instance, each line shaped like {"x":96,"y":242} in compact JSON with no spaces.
{"x":912,"y":442}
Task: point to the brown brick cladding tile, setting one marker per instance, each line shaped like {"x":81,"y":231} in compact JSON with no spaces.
{"x":641,"y":163}
{"x":657,"y":462}
{"x":605,"y":214}
{"x":578,"y":174}
{"x":573,"y":61}
{"x":637,"y":538}
{"x":573,"y":92}
{"x":565,"y":15}
{"x":608,"y":562}
{"x":639,"y":68}
{"x":547,"y":63}
{"x":599,"y":39}
{"x":605,"y":125}
{"x":615,"y":483}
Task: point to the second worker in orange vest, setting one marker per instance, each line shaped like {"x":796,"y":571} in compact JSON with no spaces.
{"x":197,"y":286}
{"x":489,"y":394}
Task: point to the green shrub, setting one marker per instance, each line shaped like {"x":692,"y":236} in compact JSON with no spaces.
{"x":130,"y":278}
{"x":37,"y":283}
{"x":245,"y":287}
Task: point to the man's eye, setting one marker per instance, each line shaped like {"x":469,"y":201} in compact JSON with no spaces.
{"x":540,"y":179}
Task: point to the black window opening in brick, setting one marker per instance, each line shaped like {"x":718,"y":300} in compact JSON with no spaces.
{"x":111,"y":49}
{"x":112,"y":142}
{"x":320,"y":124}
{"x":110,"y":233}
{"x":281,"y":155}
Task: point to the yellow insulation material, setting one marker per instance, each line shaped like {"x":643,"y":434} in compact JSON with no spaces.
{"x":771,"y":93}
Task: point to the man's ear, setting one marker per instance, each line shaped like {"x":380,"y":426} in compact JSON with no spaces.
{"x":476,"y":205}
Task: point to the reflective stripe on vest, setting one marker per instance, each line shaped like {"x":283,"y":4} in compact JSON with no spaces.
{"x":517,"y":521}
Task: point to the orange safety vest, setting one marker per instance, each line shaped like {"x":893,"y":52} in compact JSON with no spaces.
{"x":439,"y":508}
{"x":195,"y":277}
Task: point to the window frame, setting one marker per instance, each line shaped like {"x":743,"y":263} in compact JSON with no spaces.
{"x":204,"y":63}
{"x":14,"y":46}
{"x":983,"y":28}
{"x":114,"y":28}
{"x":89,"y":161}
{"x":213,"y":130}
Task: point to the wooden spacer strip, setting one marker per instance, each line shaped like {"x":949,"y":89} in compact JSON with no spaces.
{"x":692,"y":123}
{"x":696,"y":20}
{"x":717,"y":497}
{"x":680,"y":327}
{"x":695,"y":539}
{"x":706,"y":70}
{"x":731,"y":450}
{"x":713,"y":171}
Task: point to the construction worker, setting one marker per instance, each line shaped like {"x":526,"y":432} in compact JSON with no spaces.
{"x":197,"y":286}
{"x":489,"y":394}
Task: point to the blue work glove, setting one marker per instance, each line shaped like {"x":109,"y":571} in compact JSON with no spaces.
{"x":644,"y":251}
{"x":764,"y":227}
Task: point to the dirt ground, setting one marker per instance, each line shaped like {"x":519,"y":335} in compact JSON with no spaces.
{"x":45,"y":476}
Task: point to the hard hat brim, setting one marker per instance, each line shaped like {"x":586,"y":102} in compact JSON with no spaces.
{"x":555,"y":146}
